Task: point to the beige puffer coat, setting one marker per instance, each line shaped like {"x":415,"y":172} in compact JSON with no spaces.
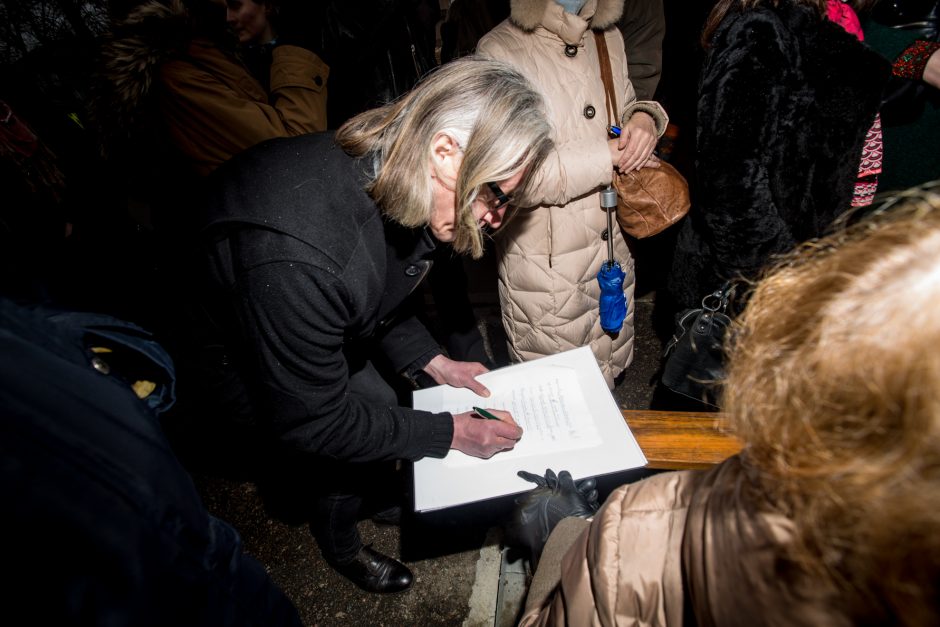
{"x":549,"y":255}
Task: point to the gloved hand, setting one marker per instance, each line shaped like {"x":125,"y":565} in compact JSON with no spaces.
{"x":538,"y":511}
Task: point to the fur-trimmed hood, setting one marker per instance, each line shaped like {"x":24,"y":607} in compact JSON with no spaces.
{"x":136,"y":47}
{"x":129,"y":65}
{"x":528,"y":14}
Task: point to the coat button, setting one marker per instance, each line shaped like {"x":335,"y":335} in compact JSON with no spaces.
{"x":412,"y":270}
{"x":571,"y":50}
{"x":100,"y":365}
{"x":589,"y":111}
{"x":318,"y":80}
{"x":605,"y":234}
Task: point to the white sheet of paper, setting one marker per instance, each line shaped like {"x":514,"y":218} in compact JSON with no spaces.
{"x":570,"y":422}
{"x":545,"y":401}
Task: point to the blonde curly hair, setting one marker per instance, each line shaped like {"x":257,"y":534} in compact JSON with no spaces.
{"x":834,"y":386}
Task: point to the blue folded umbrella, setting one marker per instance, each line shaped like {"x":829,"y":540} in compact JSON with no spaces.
{"x":613,"y":303}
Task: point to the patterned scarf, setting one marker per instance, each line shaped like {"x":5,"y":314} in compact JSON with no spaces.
{"x":872,"y":150}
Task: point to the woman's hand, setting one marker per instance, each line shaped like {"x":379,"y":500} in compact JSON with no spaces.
{"x":460,"y":374}
{"x":633,"y":149}
{"x":932,"y":70}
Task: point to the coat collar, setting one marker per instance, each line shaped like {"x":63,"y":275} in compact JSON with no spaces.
{"x":570,"y":28}
{"x":530,"y":14}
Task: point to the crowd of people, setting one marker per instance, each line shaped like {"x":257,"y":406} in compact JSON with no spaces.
{"x":295,"y":235}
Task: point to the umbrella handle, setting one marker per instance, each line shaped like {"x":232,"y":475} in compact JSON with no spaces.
{"x":608,"y":203}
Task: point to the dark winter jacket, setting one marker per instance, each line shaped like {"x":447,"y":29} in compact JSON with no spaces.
{"x":213,"y":108}
{"x":315,"y":276}
{"x":208,"y":102}
{"x":643,"y":26}
{"x":103,"y":526}
{"x":786,"y":100}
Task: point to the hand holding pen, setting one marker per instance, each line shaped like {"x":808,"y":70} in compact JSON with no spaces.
{"x":485,"y":432}
{"x":485,"y":414}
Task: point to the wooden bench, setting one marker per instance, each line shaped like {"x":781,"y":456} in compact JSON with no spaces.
{"x":682,"y":440}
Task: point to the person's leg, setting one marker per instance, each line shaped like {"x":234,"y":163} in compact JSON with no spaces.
{"x":337,"y":509}
{"x":358,"y":491}
{"x":333,"y":526}
{"x":377,"y":483}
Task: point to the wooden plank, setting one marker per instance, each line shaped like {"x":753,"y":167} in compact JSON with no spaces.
{"x":682,"y":440}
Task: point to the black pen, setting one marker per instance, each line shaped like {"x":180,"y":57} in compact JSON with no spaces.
{"x":485,"y":413}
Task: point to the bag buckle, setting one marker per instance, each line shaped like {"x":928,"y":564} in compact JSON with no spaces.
{"x":717,"y":301}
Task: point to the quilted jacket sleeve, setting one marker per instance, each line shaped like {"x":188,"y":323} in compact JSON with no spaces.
{"x":580,"y":161}
{"x":571,"y":170}
{"x":575,"y":165}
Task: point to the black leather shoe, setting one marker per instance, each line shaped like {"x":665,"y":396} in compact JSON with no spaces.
{"x":390,"y":516}
{"x":374,"y":572}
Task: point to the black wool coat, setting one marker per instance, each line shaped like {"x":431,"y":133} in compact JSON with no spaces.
{"x":315,"y":277}
{"x":786,"y":100}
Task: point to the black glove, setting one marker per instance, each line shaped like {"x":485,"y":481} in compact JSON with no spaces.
{"x":538,"y":511}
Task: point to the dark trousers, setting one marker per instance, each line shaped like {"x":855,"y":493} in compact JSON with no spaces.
{"x":337,"y":510}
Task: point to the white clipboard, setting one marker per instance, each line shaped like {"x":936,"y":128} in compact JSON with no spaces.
{"x":570,"y":420}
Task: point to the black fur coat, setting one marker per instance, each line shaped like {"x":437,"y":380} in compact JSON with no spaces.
{"x":786,"y":99}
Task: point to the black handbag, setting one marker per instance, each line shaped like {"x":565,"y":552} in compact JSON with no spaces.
{"x":694,"y":363}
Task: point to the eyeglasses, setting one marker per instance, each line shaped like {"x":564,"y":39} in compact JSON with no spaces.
{"x":501,"y":198}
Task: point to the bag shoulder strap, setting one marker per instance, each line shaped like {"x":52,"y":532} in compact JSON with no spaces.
{"x":607,"y":76}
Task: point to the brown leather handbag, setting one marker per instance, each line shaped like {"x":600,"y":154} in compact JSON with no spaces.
{"x":649,"y":199}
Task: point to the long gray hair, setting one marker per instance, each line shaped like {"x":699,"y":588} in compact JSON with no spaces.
{"x":492,"y":112}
